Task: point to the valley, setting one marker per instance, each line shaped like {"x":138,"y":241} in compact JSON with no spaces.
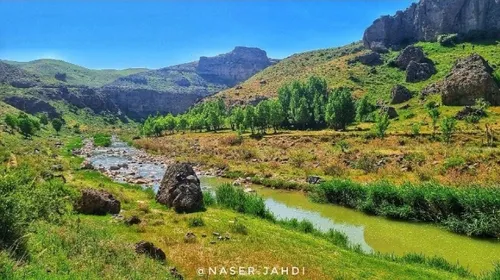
{"x":379,"y":159}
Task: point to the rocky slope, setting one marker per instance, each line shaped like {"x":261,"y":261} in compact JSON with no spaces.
{"x":425,"y":20}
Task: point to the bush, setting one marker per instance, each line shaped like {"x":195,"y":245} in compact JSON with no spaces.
{"x":102,"y":140}
{"x":196,"y":222}
{"x":236,"y":199}
{"x":238,"y":227}
{"x":454,"y":162}
{"x":472,"y":211}
{"x":448,"y":126}
{"x":208,"y":199}
{"x":24,"y":200}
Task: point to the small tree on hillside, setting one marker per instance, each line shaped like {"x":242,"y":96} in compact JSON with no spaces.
{"x":250,"y":118}
{"x":182,"y":123}
{"x":448,"y":126}
{"x":27,"y":125}
{"x":44,"y":119}
{"x":11,"y":121}
{"x":363,"y":109}
{"x":432,"y":110}
{"x":57,"y":125}
{"x":381,"y":123}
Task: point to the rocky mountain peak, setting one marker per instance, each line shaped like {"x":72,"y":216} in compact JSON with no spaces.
{"x":233,"y":67}
{"x":429,"y":18}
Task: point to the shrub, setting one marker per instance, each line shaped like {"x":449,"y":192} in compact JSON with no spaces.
{"x":102,"y":140}
{"x":236,"y":199}
{"x":24,"y":200}
{"x":454,"y":162}
{"x":367,"y":163}
{"x":208,"y":199}
{"x":472,"y":211}
{"x":238,"y":227}
{"x":448,"y":126}
{"x":196,"y":222}
{"x":381,"y":124}
{"x":415,"y":129}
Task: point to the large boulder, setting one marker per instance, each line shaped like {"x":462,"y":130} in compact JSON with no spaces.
{"x":427,"y":19}
{"x":369,"y":59}
{"x":409,"y":54}
{"x":97,"y":202}
{"x":470,"y":79}
{"x":180,"y":189}
{"x":150,"y":250}
{"x":416,"y":72}
{"x":400,"y":94}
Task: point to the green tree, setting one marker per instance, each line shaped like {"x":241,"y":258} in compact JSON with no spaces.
{"x":448,"y":126}
{"x":27,"y":125}
{"x":169,"y":123}
{"x":381,"y":123}
{"x":250,"y":118}
{"x":434,"y":113}
{"x":262,"y":116}
{"x":11,"y":121}
{"x":363,"y":109}
{"x":340,"y":109}
{"x":182,"y":123}
{"x":237,"y":119}
{"x":276,"y":114}
{"x":44,"y":119}
{"x":57,"y":125}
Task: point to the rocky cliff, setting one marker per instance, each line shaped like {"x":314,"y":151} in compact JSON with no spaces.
{"x":429,"y":18}
{"x":234,"y":67}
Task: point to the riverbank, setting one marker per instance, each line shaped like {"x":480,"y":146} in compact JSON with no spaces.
{"x":363,"y":231}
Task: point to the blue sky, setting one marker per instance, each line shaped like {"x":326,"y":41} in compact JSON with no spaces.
{"x":154,"y":34}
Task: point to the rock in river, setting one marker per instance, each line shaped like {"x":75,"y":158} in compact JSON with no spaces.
{"x":180,"y":189}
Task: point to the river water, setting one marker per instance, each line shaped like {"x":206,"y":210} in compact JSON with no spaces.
{"x":372,"y":233}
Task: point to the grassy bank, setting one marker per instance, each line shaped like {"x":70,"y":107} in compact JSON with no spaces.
{"x":474,"y":211}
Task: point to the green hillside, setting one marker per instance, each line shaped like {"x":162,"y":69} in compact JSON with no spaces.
{"x":332,"y":65}
{"x":47,"y":69}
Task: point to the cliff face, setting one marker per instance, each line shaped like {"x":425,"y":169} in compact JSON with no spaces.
{"x":174,"y":89}
{"x":429,"y":18}
{"x":233,"y":67}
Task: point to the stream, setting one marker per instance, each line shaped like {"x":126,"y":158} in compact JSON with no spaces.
{"x":374,"y":234}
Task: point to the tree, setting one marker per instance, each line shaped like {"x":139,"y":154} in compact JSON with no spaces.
{"x":250,"y":118}
{"x":27,"y":125}
{"x":448,"y":126}
{"x":434,"y":113}
{"x":182,"y":123}
{"x":363,"y":109}
{"x":169,"y":123}
{"x":340,"y":109}
{"x":57,"y":125}
{"x":44,"y":119}
{"x":262,"y":115}
{"x":276,"y":114}
{"x":381,"y":123}
{"x":11,"y":121}
{"x":237,"y":119}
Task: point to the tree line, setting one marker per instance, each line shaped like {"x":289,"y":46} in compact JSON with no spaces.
{"x":28,"y":125}
{"x":300,"y":105}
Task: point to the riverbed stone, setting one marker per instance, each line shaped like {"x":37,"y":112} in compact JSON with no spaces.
{"x":180,"y":189}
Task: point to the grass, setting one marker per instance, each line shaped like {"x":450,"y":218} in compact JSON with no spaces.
{"x":472,"y":211}
{"x":102,"y":140}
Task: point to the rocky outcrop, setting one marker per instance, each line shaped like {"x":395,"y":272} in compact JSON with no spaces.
{"x":31,"y":105}
{"x":418,"y":67}
{"x":150,"y":250}
{"x":470,"y":111}
{"x":400,"y":94}
{"x":425,"y":20}
{"x":369,"y":59}
{"x":180,"y":189}
{"x":234,"y":67}
{"x":417,"y":72}
{"x":97,"y":202}
{"x":470,"y":79}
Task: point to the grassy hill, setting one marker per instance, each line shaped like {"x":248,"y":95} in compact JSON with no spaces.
{"x":332,"y":64}
{"x":75,"y":75}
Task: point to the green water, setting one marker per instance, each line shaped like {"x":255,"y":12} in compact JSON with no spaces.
{"x":379,"y":234}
